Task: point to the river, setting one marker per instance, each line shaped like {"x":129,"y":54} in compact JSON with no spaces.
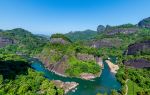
{"x":103,"y":84}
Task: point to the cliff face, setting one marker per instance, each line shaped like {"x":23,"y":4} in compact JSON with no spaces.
{"x":58,"y":41}
{"x":113,"y":31}
{"x":138,"y":63}
{"x":138,"y":47}
{"x":59,"y":67}
{"x":106,"y":43}
{"x":54,"y":61}
{"x":5,"y":41}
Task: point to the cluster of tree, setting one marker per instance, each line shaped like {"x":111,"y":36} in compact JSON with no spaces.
{"x":129,"y":25}
{"x":81,"y":35}
{"x":77,"y":67}
{"x":24,"y":41}
{"x":140,"y":77}
{"x":17,"y":78}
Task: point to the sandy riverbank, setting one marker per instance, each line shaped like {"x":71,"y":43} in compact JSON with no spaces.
{"x":67,"y":86}
{"x":87,"y":76}
{"x":113,"y":68}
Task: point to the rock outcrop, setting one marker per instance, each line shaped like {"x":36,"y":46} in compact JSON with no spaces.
{"x":138,"y":63}
{"x":58,"y":41}
{"x":139,"y":47}
{"x":113,"y":30}
{"x":67,"y":86}
{"x":85,"y":57}
{"x":5,"y":41}
{"x":100,"y":28}
{"x":99,"y":61}
{"x":145,"y":23}
{"x":106,"y":43}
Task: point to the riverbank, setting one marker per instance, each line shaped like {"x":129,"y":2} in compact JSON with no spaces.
{"x":106,"y":82}
{"x":84,"y":76}
{"x":113,"y":68}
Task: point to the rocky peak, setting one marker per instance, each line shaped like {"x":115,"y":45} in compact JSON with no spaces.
{"x":59,"y":39}
{"x":145,"y":23}
{"x":100,"y":28}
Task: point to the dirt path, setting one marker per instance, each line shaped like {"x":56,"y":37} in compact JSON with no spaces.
{"x":126,"y":87}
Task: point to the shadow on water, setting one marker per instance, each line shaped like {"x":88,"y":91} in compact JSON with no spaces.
{"x":105,"y":83}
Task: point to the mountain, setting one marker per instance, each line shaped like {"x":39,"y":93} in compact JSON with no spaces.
{"x":75,"y":54}
{"x":23,"y":40}
{"x":44,"y":36}
{"x":145,"y":23}
{"x":81,"y":35}
{"x":100,"y":28}
{"x":65,"y":58}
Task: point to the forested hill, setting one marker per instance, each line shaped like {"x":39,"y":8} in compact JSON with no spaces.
{"x":23,"y":40}
{"x":81,"y":35}
{"x":109,"y":30}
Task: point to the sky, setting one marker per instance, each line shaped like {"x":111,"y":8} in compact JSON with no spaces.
{"x":62,"y":16}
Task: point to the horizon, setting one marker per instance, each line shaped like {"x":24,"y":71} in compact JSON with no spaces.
{"x":62,"y":16}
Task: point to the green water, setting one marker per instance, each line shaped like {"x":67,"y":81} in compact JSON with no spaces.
{"x":105,"y":83}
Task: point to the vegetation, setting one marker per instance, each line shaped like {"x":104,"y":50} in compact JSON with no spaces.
{"x":17,"y":78}
{"x":77,"y":67}
{"x":138,"y":80}
{"x":55,"y":52}
{"x":140,"y":77}
{"x":81,"y":35}
{"x":133,"y":88}
{"x":129,"y":25}
{"x":24,"y":41}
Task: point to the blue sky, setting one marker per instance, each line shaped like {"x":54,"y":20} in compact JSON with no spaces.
{"x":51,"y":16}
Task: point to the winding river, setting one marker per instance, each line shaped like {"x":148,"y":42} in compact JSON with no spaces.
{"x":103,"y":84}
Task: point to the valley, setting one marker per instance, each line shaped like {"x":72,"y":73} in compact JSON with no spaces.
{"x":108,"y":61}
